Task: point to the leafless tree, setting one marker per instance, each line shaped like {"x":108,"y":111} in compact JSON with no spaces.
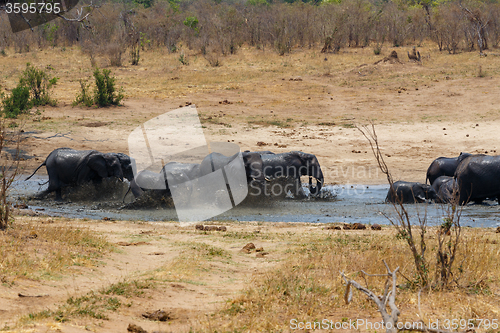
{"x":477,"y":27}
{"x":449,"y":238}
{"x":9,"y":166}
{"x":388,"y":298}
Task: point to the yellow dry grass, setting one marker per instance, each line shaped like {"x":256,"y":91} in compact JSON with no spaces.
{"x":307,"y":286}
{"x":33,"y":250}
{"x":258,"y":80}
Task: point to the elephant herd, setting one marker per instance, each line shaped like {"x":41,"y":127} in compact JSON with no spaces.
{"x":70,"y":167}
{"x":466,"y":178}
{"x":462,"y":179}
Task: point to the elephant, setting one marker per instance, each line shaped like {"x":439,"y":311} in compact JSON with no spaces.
{"x":478,"y":178}
{"x":292,"y":166}
{"x":176,"y":172}
{"x":441,"y":180}
{"x":66,"y":166}
{"x":126,"y":164}
{"x":444,"y":166}
{"x":181,"y":172}
{"x":252,"y":162}
{"x":410,"y":192}
{"x":445,"y":188}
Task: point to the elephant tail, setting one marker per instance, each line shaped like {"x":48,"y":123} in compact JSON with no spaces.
{"x":41,"y":165}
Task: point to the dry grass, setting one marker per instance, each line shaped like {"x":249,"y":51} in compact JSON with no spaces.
{"x":308,"y":287}
{"x":34,"y":250}
{"x":289,"y":84}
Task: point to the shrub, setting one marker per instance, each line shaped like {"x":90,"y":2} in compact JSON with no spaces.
{"x":18,"y":102}
{"x":39,"y":84}
{"x":105,"y":93}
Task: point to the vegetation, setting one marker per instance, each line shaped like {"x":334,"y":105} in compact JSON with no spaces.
{"x":105,"y":92}
{"x":39,"y":84}
{"x":33,"y":89}
{"x":17,"y":103}
{"x":221,"y":27}
{"x":61,"y":246}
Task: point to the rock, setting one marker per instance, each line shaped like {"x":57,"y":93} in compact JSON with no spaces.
{"x":210,"y":227}
{"x":248,"y":248}
{"x":376,"y":227}
{"x":135,"y":329}
{"x":259,"y":249}
{"x":158,"y":315}
{"x":333,"y":227}
{"x":261,"y":254}
{"x":498,"y":230}
{"x":261,"y":143}
{"x":358,"y":226}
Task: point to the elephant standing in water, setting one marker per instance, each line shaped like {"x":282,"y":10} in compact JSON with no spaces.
{"x":66,"y":166}
{"x":174,"y":173}
{"x":445,"y":188}
{"x":410,"y":192}
{"x":444,"y":166}
{"x":157,"y":182}
{"x":478,"y":178}
{"x":291,"y":166}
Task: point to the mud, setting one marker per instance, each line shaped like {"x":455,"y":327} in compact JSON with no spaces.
{"x":340,"y":203}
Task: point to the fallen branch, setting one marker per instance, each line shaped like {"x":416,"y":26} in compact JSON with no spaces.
{"x":388,"y":298}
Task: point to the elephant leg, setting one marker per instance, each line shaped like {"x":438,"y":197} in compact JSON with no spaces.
{"x":59,"y":195}
{"x":299,"y":193}
{"x":54,"y":185}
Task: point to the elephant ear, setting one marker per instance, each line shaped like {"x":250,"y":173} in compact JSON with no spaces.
{"x":304,"y":157}
{"x":97,"y":163}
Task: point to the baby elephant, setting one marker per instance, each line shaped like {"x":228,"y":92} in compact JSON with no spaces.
{"x":410,"y":192}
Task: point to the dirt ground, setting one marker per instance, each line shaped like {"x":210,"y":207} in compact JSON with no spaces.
{"x":264,"y":102}
{"x":147,"y":249}
{"x":304,"y":101}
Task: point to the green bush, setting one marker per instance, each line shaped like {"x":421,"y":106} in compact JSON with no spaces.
{"x":39,"y":84}
{"x":18,"y":102}
{"x":105,"y":92}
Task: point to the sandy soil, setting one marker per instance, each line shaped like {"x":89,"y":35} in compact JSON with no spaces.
{"x":158,"y":246}
{"x":421,"y":112}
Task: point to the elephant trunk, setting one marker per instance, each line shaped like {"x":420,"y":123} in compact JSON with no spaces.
{"x":319,"y":181}
{"x":315,"y":189}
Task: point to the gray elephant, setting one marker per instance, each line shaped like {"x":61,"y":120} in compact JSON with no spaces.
{"x":478,"y":178}
{"x":252,"y":162}
{"x":66,"y":166}
{"x":126,"y":164}
{"x":290,"y":167}
{"x":410,"y":192}
{"x":444,"y":166}
{"x":445,"y":188}
{"x":438,"y":182}
{"x":177,"y":173}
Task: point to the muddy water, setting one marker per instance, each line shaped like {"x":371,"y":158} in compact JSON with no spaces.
{"x":348,"y":203}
